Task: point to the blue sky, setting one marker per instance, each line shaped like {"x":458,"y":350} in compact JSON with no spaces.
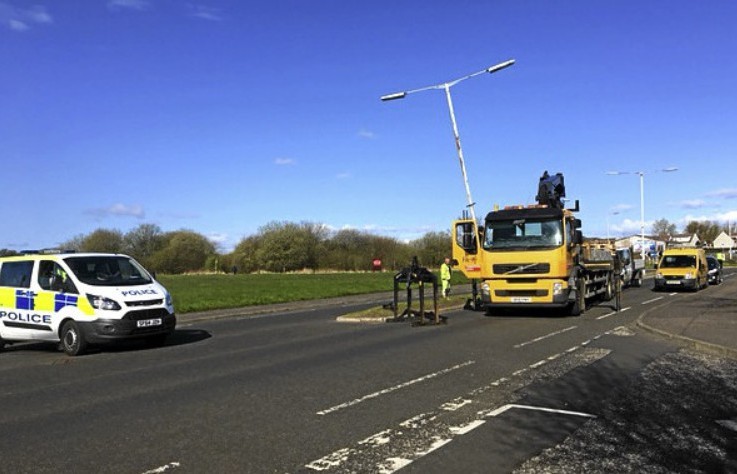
{"x":221,"y":116}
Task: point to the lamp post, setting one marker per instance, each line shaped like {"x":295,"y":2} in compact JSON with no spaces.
{"x":642,"y":200}
{"x":446,"y":87}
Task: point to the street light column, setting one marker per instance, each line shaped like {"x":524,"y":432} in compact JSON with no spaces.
{"x":457,"y":137}
{"x":642,"y":214}
{"x":446,"y":86}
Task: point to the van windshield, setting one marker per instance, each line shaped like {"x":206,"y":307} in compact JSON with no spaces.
{"x":107,"y":270}
{"x":678,"y":261}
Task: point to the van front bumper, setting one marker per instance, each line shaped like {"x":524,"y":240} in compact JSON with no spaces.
{"x":108,"y":330}
{"x":665,"y":283}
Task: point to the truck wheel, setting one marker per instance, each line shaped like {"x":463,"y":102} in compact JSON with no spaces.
{"x":579,"y":304}
{"x":609,"y":292}
{"x":72,"y":339}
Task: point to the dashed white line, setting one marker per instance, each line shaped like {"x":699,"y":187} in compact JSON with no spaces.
{"x":394,"y":388}
{"x":538,"y":339}
{"x":461,"y":430}
{"x":652,"y":300}
{"x":164,"y":468}
{"x":391,"y":464}
{"x":614,"y":312}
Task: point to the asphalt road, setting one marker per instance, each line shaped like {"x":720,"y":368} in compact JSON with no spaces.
{"x":300,"y":392}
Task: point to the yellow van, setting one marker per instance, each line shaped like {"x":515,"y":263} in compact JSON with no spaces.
{"x":682,"y":268}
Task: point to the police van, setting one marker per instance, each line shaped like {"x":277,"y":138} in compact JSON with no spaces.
{"x":78,"y":299}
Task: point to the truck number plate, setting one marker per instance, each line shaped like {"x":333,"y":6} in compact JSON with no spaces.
{"x":521,"y":299}
{"x":144,"y":323}
{"x":673,"y":282}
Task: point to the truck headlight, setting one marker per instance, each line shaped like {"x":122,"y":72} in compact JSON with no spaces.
{"x":688,"y":276}
{"x":557,"y":288}
{"x":658,"y":275}
{"x":100,"y":302}
{"x":485,"y":288}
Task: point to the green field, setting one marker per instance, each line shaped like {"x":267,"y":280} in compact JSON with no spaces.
{"x":207,"y":292}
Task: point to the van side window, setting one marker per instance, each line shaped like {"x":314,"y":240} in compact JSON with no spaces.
{"x":16,"y":274}
{"x":52,"y":277}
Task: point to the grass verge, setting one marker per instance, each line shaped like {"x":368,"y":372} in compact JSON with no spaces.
{"x":208,"y":292}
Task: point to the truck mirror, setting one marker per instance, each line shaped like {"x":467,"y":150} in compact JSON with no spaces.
{"x":576,"y":223}
{"x":578,"y":236}
{"x":466,"y":236}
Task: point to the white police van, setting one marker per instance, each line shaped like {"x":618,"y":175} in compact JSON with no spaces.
{"x":79,"y":299}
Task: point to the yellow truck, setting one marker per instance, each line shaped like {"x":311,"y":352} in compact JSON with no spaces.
{"x":535,"y":256}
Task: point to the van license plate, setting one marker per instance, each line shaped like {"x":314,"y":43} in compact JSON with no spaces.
{"x":673,"y":282}
{"x":144,"y":323}
{"x":521,"y":299}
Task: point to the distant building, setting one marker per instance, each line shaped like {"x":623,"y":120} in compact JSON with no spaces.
{"x":684,"y":240}
{"x":724,"y":242}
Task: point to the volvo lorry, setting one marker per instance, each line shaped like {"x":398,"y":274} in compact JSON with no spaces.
{"x":535,"y":256}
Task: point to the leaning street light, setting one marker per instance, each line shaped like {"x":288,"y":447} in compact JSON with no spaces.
{"x":446,"y":87}
{"x":642,"y":199}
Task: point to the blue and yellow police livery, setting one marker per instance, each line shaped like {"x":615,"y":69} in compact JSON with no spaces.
{"x":81,"y":299}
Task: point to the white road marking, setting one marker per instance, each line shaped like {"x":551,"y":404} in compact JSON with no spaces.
{"x":539,"y":363}
{"x":331,"y":460}
{"x":164,"y":468}
{"x":614,"y":312}
{"x":394,"y":388}
{"x":454,"y":405}
{"x":652,"y":300}
{"x":461,"y":430}
{"x":729,"y":424}
{"x":672,"y":294}
{"x":504,"y":408}
{"x":538,"y":339}
{"x":370,"y":448}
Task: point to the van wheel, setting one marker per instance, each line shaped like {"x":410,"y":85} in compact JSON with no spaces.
{"x":72,"y":340}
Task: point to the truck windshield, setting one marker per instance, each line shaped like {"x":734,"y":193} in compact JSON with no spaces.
{"x":108,"y":270}
{"x":523,"y":234}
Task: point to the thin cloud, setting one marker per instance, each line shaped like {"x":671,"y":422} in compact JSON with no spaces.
{"x":343,"y":175}
{"x":730,"y":193}
{"x":23,"y":19}
{"x":619,"y":208}
{"x":284,"y":162}
{"x":139,"y":5}
{"x":694,"y":204}
{"x":118,"y":210}
{"x":205,"y":13}
{"x":363,"y":133}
